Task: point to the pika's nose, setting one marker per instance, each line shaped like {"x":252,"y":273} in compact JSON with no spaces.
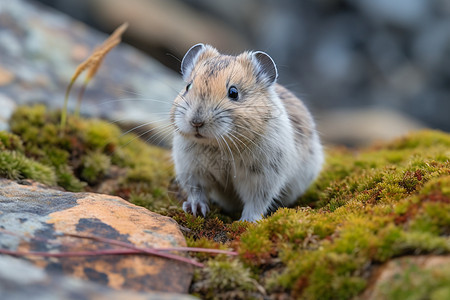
{"x":197,"y":123}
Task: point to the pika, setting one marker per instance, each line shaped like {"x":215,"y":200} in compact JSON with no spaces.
{"x":240,"y":139}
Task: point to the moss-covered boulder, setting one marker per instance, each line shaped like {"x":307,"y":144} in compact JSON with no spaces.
{"x":366,"y":208}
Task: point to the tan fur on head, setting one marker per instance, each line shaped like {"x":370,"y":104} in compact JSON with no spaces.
{"x":209,"y":79}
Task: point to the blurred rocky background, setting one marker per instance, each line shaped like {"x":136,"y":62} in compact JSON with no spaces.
{"x":368,"y":69}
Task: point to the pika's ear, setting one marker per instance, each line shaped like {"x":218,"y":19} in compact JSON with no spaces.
{"x":189,"y":60}
{"x":265,"y":67}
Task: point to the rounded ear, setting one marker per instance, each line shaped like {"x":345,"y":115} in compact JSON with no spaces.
{"x":266,"y":70}
{"x":189,"y":60}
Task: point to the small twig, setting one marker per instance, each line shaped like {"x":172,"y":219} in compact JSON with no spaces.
{"x":80,"y":98}
{"x":131,"y":249}
{"x":130,"y":246}
{"x":91,"y":66}
{"x":101,"y":252}
{"x":194,"y":249}
{"x":70,"y":253}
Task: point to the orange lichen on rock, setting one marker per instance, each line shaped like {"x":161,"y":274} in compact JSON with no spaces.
{"x":42,"y":219}
{"x":143,"y":227}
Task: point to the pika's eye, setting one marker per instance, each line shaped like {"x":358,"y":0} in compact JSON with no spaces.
{"x":188,"y":87}
{"x":233,"y":93}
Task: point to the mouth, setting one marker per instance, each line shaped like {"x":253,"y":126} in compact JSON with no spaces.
{"x":197,"y":134}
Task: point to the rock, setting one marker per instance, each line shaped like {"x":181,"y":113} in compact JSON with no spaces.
{"x":390,"y":276}
{"x":41,"y":49}
{"x":407,"y":13}
{"x":355,"y":127}
{"x":344,"y":53}
{"x":153,"y":25}
{"x":36,"y":216}
{"x":22,"y":280}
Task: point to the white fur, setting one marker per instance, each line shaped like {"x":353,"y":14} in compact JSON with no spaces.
{"x":224,"y":177}
{"x":217,"y":162}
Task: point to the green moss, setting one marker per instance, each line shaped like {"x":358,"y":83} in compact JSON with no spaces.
{"x":94,"y":167}
{"x":365,"y":208}
{"x":434,"y":218}
{"x":150,"y":172}
{"x":14,"y":165}
{"x":68,"y":180}
{"x":101,"y":135}
{"x":384,"y":202}
{"x":421,"y":139}
{"x":9,"y":141}
{"x":90,"y":151}
{"x":418,"y":283}
{"x":224,"y":279}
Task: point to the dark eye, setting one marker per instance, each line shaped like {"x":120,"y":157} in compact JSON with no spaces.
{"x":188,"y":87}
{"x":233,"y":93}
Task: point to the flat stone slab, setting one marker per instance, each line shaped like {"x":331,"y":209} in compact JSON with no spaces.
{"x":33,"y":218}
{"x":22,"y":280}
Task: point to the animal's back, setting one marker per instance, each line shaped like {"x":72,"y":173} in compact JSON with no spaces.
{"x":308,"y":147}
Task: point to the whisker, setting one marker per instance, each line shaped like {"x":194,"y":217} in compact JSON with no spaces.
{"x":173,"y":56}
{"x":222,"y":152}
{"x":250,"y":130}
{"x":255,"y":156}
{"x":128,"y":91}
{"x":163,"y":82}
{"x":163,"y":132}
{"x":232,"y":157}
{"x":133,"y":99}
{"x":138,"y":136}
{"x":142,"y":125}
{"x":237,"y":148}
{"x":127,"y":119}
{"x":185,"y":101}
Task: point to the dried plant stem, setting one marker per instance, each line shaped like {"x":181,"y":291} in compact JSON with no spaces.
{"x":201,"y":250}
{"x":103,"y":252}
{"x":80,"y":97}
{"x":131,"y":249}
{"x":127,"y":245}
{"x":64,"y":110}
{"x":91,"y":65}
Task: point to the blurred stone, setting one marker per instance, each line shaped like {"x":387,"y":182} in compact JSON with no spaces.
{"x":7,"y":108}
{"x":33,"y":218}
{"x":432,"y":45}
{"x":41,"y":49}
{"x":334,"y":54}
{"x":395,"y":268}
{"x":159,"y":21}
{"x":6,"y":77}
{"x":362,"y":127}
{"x":407,"y":13}
{"x":22,"y":280}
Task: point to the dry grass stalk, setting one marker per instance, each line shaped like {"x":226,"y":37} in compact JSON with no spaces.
{"x":91,"y":65}
{"x":130,"y":249}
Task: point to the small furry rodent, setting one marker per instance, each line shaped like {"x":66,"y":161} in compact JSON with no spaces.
{"x":241,"y":140}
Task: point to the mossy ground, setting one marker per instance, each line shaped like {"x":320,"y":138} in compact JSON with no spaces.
{"x":366,"y":208}
{"x":89,"y":155}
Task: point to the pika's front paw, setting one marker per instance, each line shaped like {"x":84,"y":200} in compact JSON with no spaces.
{"x":251,"y":218}
{"x":250,"y":214}
{"x":194,"y":206}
